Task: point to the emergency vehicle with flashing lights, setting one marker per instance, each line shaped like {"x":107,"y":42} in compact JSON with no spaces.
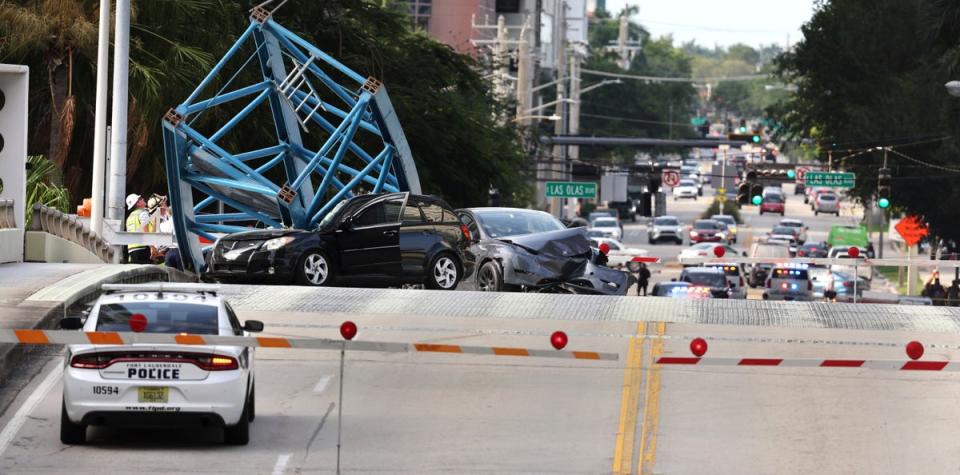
{"x":789,"y":282}
{"x":159,"y":385}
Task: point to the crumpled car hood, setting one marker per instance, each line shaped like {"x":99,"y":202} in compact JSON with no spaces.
{"x":560,"y":243}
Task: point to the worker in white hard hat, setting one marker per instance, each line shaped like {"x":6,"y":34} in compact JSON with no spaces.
{"x":138,"y":221}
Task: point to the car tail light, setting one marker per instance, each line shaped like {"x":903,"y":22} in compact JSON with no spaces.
{"x":466,"y":232}
{"x":216,"y":363}
{"x":809,"y":285}
{"x":90,"y":361}
{"x":800,"y":253}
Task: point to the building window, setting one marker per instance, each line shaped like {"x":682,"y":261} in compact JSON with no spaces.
{"x":508,"y":6}
{"x":420,"y":11}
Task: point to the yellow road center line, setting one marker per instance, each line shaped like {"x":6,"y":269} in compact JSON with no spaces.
{"x":651,"y":406}
{"x":623,"y":450}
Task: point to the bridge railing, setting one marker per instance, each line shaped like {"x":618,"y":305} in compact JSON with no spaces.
{"x":71,"y":228}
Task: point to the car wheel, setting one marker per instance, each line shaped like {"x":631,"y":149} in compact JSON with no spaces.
{"x":816,"y":213}
{"x":444,"y":273}
{"x":315,"y":269}
{"x":651,"y":242}
{"x":679,"y":242}
{"x":490,"y":277}
{"x":239,"y":434}
{"x":70,"y":433}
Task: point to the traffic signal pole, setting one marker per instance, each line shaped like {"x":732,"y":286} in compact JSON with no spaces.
{"x":723,"y":175}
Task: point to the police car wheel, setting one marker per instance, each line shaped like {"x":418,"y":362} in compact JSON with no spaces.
{"x":239,"y":434}
{"x":71,"y":433}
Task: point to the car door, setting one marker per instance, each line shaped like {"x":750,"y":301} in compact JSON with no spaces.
{"x":370,"y":238}
{"x":417,"y":236}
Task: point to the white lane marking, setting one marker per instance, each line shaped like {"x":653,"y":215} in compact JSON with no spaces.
{"x":16,"y":422}
{"x":281,"y":464}
{"x":322,"y":384}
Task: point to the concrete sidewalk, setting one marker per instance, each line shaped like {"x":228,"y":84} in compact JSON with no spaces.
{"x":33,"y":295}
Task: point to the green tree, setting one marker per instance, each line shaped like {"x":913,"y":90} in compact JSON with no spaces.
{"x":859,"y":89}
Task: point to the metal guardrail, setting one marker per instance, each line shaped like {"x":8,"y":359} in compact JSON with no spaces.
{"x":72,"y":229}
{"x":8,"y":218}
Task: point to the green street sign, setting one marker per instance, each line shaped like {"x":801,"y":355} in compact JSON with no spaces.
{"x":571,"y":189}
{"x":830,"y":179}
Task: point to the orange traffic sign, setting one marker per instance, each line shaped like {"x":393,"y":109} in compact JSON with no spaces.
{"x":911,"y":229}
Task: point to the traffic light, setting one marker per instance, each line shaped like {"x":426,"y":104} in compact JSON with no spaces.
{"x":756,"y":193}
{"x":883,"y":188}
{"x":743,"y":193}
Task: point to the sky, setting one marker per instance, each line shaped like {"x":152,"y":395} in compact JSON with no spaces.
{"x":722,"y":22}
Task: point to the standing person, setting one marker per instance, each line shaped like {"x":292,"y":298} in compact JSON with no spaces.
{"x":138,"y":221}
{"x":829,"y":287}
{"x":643,"y":279}
{"x":602,"y":258}
{"x":937,"y":293}
{"x":953,"y":294}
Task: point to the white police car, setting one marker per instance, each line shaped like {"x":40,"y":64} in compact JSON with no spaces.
{"x":789,"y":282}
{"x":156,"y":385}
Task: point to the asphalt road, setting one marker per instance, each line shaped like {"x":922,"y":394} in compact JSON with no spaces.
{"x":422,"y":413}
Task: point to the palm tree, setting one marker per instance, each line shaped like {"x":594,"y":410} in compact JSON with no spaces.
{"x":58,"y":30}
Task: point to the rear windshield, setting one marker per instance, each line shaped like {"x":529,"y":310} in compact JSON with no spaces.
{"x":773,"y":199}
{"x":705,"y":279}
{"x":782,"y":230}
{"x":706,"y":225}
{"x":791,"y":224}
{"x":162,"y":317}
{"x":605,"y":223}
{"x":828,"y":198}
{"x":790,"y":274}
{"x":771,"y":251}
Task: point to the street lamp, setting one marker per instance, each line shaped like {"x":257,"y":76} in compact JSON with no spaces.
{"x":552,"y":118}
{"x":953,"y":88}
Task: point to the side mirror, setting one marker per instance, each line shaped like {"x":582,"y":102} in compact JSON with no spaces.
{"x":346,"y":224}
{"x":71,"y":323}
{"x":253,"y":326}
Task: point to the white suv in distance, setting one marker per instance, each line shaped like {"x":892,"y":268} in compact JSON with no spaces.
{"x":686,"y":189}
{"x":159,"y":385}
{"x":665,"y":227}
{"x":610,"y":227}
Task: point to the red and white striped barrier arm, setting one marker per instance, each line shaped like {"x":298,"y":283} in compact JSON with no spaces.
{"x":70,"y":337}
{"x":896,"y":365}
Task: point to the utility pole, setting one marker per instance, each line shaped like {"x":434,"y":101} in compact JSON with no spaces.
{"x":622,"y":42}
{"x":523,"y":74}
{"x":100,"y":119}
{"x":574,"y":129}
{"x":118,"y":116}
{"x":560,"y":125}
{"x":500,"y":57}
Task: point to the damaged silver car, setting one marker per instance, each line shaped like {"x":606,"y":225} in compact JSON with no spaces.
{"x":532,"y":251}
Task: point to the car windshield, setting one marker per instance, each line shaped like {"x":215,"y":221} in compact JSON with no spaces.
{"x":666,"y":222}
{"x":160,"y":317}
{"x":686,"y":183}
{"x":706,"y":225}
{"x":724,"y":219}
{"x":791,"y":224}
{"x":782,"y":230}
{"x":605,"y":223}
{"x":707,"y":279}
{"x":769,"y":250}
{"x":516,"y":223}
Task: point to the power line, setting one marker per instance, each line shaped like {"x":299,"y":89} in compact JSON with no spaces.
{"x":674,"y":79}
{"x":626,"y":119}
{"x":921,"y":162}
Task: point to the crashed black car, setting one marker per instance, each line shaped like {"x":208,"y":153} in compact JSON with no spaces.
{"x":527,"y":250}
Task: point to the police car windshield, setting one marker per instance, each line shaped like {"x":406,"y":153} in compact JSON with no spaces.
{"x":161,"y":317}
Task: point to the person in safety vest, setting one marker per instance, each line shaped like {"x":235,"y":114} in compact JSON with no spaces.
{"x":138,"y":221}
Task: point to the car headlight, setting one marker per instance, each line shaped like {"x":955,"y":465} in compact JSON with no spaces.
{"x":277,"y":243}
{"x":693,"y":233}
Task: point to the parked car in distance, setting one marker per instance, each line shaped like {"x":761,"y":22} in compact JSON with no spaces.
{"x":685,"y":189}
{"x":706,"y":250}
{"x":735,"y":280}
{"x":772,"y":203}
{"x":801,"y":229}
{"x":378,"y":239}
{"x":759,"y":272}
{"x":710,"y":277}
{"x":706,"y":230}
{"x":827,"y":203}
{"x":731,"y":225}
{"x":665,"y":228}
{"x":814,"y":249}
{"x":610,"y":227}
{"x":789,"y":282}
{"x":619,"y":253}
{"x":527,"y":250}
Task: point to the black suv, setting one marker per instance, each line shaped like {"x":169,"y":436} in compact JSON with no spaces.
{"x":382,"y":239}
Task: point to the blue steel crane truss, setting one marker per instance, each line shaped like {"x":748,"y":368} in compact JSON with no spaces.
{"x":215,"y":191}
